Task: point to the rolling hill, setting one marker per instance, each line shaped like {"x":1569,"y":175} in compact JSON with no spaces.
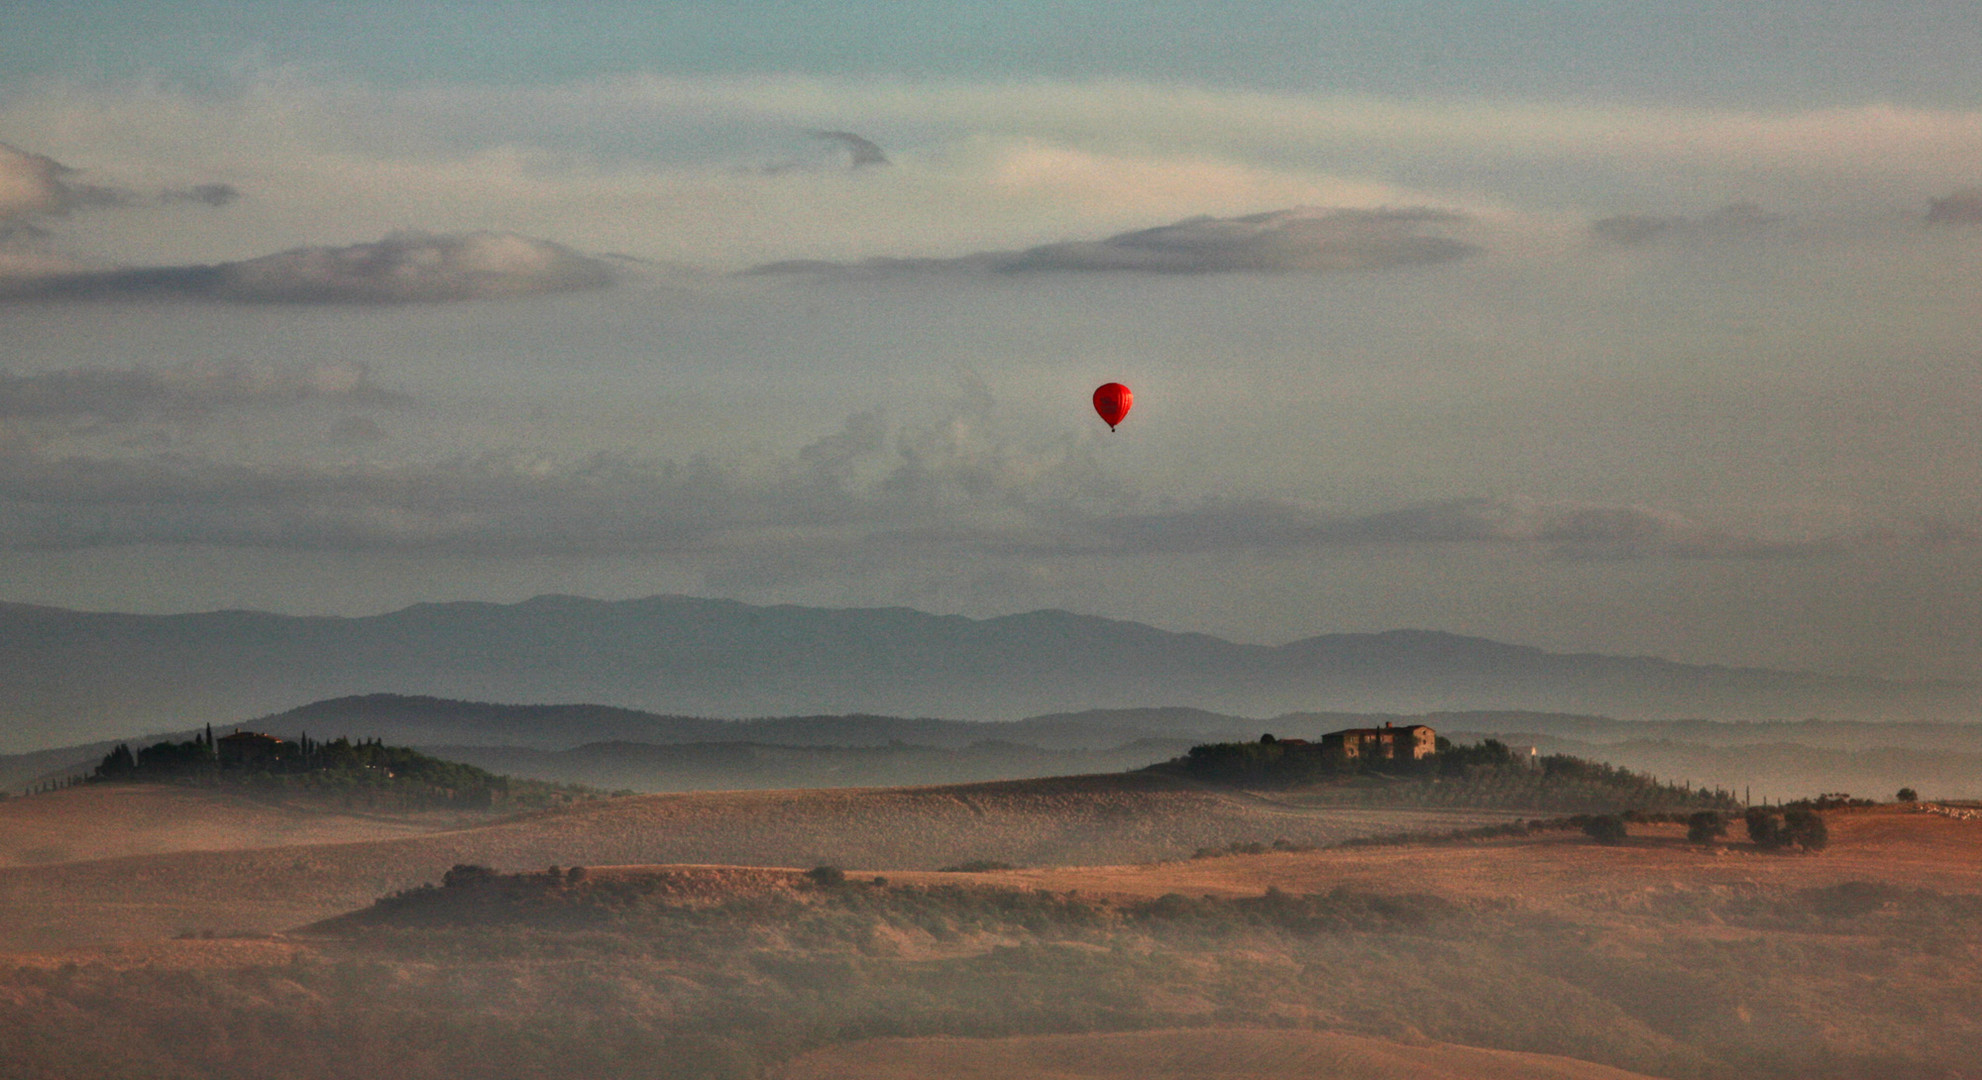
{"x":627,"y":749}
{"x":1098,"y":819}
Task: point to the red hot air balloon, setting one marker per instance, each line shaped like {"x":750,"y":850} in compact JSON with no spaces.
{"x":1112,"y":401}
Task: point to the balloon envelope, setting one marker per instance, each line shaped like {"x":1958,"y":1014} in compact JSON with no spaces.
{"x":1112,"y":401}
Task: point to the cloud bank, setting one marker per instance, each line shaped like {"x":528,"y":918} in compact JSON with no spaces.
{"x":142,"y":392}
{"x":403,"y":268}
{"x":1734,"y":221}
{"x":34,"y":184}
{"x":1962,"y":207}
{"x":1299,"y":240}
{"x":956,"y":486}
{"x":861,"y":151}
{"x":1563,"y":529}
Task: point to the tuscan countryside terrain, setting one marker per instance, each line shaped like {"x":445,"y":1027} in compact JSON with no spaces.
{"x":1206,"y":916}
{"x":849,"y":540}
{"x":404,"y":884}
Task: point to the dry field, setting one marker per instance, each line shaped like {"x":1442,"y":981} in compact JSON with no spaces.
{"x":1544,"y":956}
{"x":1228,"y":1054}
{"x":1910,"y":848}
{"x":106,"y":821}
{"x":1114,"y":819}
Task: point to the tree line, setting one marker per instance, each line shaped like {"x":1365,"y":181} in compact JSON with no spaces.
{"x":364,"y":770}
{"x":1490,"y":763}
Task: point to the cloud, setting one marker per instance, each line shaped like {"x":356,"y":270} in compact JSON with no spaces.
{"x":959,"y":485}
{"x":204,"y":194}
{"x":1963,"y":207}
{"x":954,"y":483}
{"x":405,"y":267}
{"x":1929,"y":534}
{"x":668,"y":167}
{"x":142,"y":393}
{"x":34,"y":184}
{"x":850,"y":153}
{"x":1563,"y":530}
{"x":1733,"y":221}
{"x":355,"y":431}
{"x":862,"y":151}
{"x":1300,"y":240}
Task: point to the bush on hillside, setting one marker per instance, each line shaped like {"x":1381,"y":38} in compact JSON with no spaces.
{"x":1764,"y":827}
{"x":1606,"y":828}
{"x":1798,"y":826}
{"x":1705,"y":827}
{"x":1806,"y":829}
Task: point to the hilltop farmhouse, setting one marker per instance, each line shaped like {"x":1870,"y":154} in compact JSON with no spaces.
{"x":249,"y":747}
{"x":1412,"y":742}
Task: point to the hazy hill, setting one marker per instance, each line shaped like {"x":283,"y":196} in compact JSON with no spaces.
{"x":741,"y":766}
{"x":617,"y":748}
{"x":73,"y":675}
{"x":421,"y":720}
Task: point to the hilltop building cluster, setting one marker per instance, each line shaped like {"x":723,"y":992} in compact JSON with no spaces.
{"x":1412,"y":742}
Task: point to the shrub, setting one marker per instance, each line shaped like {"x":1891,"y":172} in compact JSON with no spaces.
{"x":1765,"y":828}
{"x":1706,"y":827}
{"x":1805,"y":829}
{"x":466,"y":875}
{"x":826,"y":876}
{"x":1605,"y":829}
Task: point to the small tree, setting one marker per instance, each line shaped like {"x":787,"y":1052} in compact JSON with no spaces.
{"x":118,"y":764}
{"x":826,"y":876}
{"x":1706,"y":827}
{"x":1806,"y":829}
{"x":1908,"y":795}
{"x":467,"y":875}
{"x":1764,"y":827}
{"x":1605,"y":829}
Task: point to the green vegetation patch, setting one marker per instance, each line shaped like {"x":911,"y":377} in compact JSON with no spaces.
{"x":366,"y":772}
{"x":1482,"y":775}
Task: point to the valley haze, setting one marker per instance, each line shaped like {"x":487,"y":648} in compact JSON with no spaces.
{"x":78,"y":676}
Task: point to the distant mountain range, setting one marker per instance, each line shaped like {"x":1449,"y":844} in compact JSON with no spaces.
{"x":67,"y":676}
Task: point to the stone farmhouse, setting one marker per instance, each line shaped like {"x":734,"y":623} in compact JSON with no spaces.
{"x":1412,"y":742}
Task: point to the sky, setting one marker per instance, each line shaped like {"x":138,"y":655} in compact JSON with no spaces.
{"x":1625,"y":328}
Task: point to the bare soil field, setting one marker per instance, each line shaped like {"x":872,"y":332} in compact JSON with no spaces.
{"x":1109,"y":819}
{"x":1226,"y":1053}
{"x":1544,"y":955}
{"x":104,"y":821}
{"x":1916,"y":849}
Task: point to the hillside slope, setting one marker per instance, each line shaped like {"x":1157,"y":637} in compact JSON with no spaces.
{"x":1227,"y":1053}
{"x":107,"y":821}
{"x":1093,"y":820}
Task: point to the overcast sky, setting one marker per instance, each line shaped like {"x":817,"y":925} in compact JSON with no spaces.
{"x":1611,"y":327}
